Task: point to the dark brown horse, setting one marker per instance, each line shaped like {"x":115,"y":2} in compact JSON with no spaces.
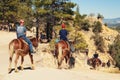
{"x":20,"y":48}
{"x":62,"y":51}
{"x":94,"y":62}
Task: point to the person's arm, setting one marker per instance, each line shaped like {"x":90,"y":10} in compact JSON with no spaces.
{"x":25,"y":31}
{"x":16,"y":30}
{"x":66,"y":33}
{"x":59,"y":32}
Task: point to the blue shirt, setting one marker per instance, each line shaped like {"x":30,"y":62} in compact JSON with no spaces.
{"x":21,"y":31}
{"x":63,"y":34}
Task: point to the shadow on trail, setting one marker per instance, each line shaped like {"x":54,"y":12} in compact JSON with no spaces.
{"x":19,"y":68}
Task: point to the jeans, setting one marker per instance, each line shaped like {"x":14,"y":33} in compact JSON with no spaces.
{"x":29,"y":43}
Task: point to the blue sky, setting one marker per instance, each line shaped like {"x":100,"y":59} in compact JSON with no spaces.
{"x":108,"y":8}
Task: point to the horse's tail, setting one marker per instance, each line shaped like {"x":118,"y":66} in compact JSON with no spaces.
{"x":11,"y":48}
{"x":59,"y":54}
{"x":11,"y":52}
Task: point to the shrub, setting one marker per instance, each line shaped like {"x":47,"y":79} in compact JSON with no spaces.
{"x":97,"y":27}
{"x":99,"y":42}
{"x":114,"y":50}
{"x":85,"y":25}
{"x":80,"y":43}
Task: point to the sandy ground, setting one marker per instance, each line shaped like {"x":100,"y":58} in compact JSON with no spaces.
{"x":44,"y":73}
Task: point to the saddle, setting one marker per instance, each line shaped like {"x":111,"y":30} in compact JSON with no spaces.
{"x":22,"y":40}
{"x":66,"y":42}
{"x":72,"y":49}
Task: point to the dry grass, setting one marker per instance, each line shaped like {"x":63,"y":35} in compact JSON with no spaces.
{"x":110,"y":70}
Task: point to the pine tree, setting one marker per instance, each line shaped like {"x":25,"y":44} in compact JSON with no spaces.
{"x":58,"y":8}
{"x":14,"y":10}
{"x":52,"y":11}
{"x":8,"y":10}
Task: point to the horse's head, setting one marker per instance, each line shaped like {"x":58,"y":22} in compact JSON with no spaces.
{"x":34,"y":42}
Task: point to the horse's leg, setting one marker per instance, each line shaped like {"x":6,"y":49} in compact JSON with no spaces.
{"x":16,"y":61}
{"x":22,"y":60}
{"x":32,"y":62}
{"x":94,"y":63}
{"x":10,"y":62}
{"x":67,"y":56}
{"x":60,"y":62}
{"x":66,"y":60}
{"x":60,"y":59}
{"x":98,"y":64}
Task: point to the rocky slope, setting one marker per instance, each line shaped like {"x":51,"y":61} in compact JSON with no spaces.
{"x":108,"y":37}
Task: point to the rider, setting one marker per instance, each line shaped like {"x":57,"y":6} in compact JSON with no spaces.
{"x":21,"y":33}
{"x":63,"y":33}
{"x":63,"y":36}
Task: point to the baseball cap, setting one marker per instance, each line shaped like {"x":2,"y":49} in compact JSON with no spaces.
{"x":63,"y":25}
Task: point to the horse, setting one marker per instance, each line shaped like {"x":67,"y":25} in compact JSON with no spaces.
{"x":94,"y":62}
{"x":62,"y":51}
{"x":20,"y":48}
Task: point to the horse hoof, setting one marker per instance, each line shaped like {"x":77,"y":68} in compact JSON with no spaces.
{"x":59,"y":68}
{"x":33,"y":68}
{"x":21,"y":68}
{"x":16,"y":71}
{"x":9,"y":69}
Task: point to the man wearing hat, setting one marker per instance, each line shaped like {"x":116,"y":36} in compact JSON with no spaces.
{"x":21,"y":33}
{"x":63,"y":33}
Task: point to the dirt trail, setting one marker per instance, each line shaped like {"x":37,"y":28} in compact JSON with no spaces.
{"x":45,"y":72}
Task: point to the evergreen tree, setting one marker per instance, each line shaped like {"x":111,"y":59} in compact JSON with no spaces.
{"x":53,"y":11}
{"x":99,"y":16}
{"x":25,"y":12}
{"x":115,"y":50}
{"x":99,"y":42}
{"x":97,"y":27}
{"x":85,"y":25}
{"x":8,"y":10}
{"x":58,"y":8}
{"x":77,"y":20}
{"x":14,"y":10}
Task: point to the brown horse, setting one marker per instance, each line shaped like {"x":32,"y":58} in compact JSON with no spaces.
{"x":94,"y":62}
{"x":20,"y":48}
{"x":62,"y":50}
